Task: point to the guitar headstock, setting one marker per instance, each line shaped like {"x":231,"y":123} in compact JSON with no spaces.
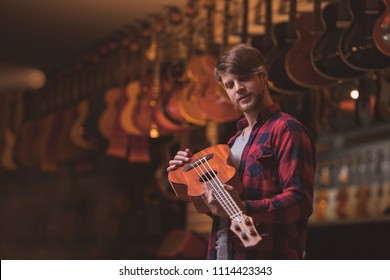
{"x":243,"y":228}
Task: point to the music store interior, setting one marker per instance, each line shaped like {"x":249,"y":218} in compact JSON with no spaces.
{"x":97,"y":96}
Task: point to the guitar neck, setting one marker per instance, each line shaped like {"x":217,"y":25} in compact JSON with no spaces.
{"x":224,"y":198}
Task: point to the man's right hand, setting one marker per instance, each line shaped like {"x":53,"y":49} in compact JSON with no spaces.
{"x":181,"y":158}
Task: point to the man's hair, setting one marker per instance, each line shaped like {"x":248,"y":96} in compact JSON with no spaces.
{"x":241,"y":59}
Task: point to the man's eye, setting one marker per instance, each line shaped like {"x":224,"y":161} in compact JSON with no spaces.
{"x":229,"y":86}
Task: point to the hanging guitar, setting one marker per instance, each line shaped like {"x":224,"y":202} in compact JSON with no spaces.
{"x":356,"y":44}
{"x":212,"y":166}
{"x":264,"y":42}
{"x":326,"y":57}
{"x":382,"y":31}
{"x":298,"y":61}
{"x":285,"y":34}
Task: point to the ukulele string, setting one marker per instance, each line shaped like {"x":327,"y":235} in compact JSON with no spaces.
{"x":227,"y":197}
{"x":227,"y":200}
{"x":207,"y":177}
{"x":222,"y":195}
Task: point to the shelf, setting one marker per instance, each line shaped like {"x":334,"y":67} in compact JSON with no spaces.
{"x":346,"y":222}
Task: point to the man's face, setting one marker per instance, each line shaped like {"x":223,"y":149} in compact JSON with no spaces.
{"x":245,"y":92}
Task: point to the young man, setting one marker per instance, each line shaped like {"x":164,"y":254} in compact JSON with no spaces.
{"x":275,"y":159}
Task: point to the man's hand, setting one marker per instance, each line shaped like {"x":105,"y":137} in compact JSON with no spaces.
{"x":181,"y":158}
{"x":213,"y":204}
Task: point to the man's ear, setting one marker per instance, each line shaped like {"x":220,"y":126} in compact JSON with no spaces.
{"x":262,"y":71}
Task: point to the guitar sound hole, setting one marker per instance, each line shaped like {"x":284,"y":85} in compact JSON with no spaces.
{"x":208,"y":176}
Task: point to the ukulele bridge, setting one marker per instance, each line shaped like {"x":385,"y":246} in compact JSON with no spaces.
{"x":197,"y":162}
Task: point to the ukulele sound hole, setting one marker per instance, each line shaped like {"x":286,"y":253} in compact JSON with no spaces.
{"x":208,"y":176}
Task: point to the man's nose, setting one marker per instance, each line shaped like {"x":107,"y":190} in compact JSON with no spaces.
{"x":238,"y":85}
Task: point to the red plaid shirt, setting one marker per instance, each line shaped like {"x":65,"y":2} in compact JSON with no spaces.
{"x":277,"y":170}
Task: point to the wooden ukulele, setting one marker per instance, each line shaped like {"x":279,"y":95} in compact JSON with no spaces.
{"x":382,"y":31}
{"x":213,"y":166}
{"x":298,"y":60}
{"x":356,"y":45}
{"x":326,"y":57}
{"x":285,"y":34}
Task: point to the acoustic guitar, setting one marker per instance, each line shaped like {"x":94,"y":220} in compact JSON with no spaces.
{"x":213,"y":167}
{"x":298,"y":60}
{"x":285,"y":35}
{"x":171,"y":74}
{"x":382,"y":31}
{"x":213,"y":99}
{"x":326,"y":57}
{"x":139,"y":63}
{"x":189,"y":92}
{"x":357,"y":45}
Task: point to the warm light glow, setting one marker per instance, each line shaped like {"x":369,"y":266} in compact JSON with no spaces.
{"x":354,"y":94}
{"x":154,"y":132}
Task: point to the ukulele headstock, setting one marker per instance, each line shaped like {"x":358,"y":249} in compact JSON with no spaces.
{"x":243,"y":228}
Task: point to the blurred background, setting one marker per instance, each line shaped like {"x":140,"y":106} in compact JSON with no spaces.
{"x":97,"y":96}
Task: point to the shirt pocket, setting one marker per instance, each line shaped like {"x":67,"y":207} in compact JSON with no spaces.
{"x":261,"y":165}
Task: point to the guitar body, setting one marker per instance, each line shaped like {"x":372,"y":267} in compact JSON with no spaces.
{"x":382,"y":31}
{"x":118,"y":139}
{"x":78,"y":131}
{"x":7,"y":155}
{"x":275,"y":59}
{"x":188,"y":183}
{"x":67,"y":151}
{"x":326,"y":57}
{"x":160,"y":113}
{"x":214,"y":102}
{"x":143,"y":113}
{"x":356,"y":43}
{"x":107,"y":118}
{"x":298,"y":61}
{"x":189,"y":97}
{"x":133,"y":91}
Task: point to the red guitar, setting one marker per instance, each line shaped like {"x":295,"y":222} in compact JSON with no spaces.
{"x":213,"y":167}
{"x":382,"y":31}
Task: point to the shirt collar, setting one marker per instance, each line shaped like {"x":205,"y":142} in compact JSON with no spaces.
{"x":262,"y":116}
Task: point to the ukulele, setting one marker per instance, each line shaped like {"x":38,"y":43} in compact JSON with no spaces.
{"x":213,"y":166}
{"x":285,"y":35}
{"x":382,"y":31}
{"x":325,"y":54}
{"x":356,"y":44}
{"x":298,"y":60}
